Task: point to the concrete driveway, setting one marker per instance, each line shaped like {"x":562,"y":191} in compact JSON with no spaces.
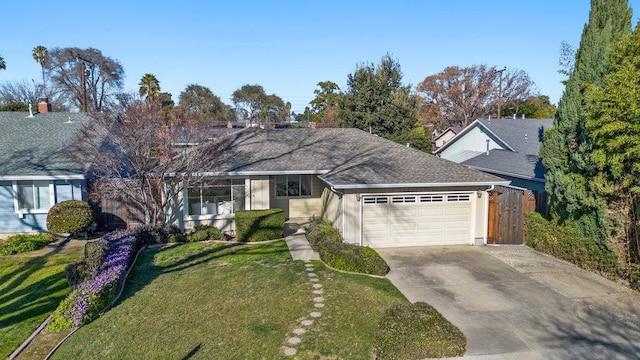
{"x":514,"y":303}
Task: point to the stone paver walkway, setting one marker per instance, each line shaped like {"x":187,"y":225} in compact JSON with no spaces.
{"x":318,"y":302}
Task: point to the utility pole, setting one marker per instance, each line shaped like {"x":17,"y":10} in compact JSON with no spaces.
{"x":83,"y":80}
{"x":500,"y":90}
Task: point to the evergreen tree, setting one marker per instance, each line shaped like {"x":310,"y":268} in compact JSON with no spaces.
{"x":376,"y":99}
{"x":566,"y":152}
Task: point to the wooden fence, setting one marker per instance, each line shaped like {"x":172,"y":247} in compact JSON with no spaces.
{"x":507,"y":207}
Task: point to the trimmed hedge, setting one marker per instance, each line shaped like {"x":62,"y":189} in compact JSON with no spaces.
{"x":327,"y":241}
{"x":71,"y":216}
{"x":148,"y":234}
{"x":25,"y":242}
{"x":416,"y":331}
{"x":353,"y":258}
{"x":259,"y":225}
{"x":205,"y":232}
{"x":567,"y":242}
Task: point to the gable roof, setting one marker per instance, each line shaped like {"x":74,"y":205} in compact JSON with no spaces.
{"x":344,"y":158}
{"x":522,"y":139}
{"x":36,"y":147}
{"x":454,"y":129}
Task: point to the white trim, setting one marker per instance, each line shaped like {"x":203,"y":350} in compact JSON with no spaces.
{"x":415,"y":185}
{"x":474,"y":200}
{"x":253,"y":173}
{"x":468,"y":129}
{"x":209,"y":217}
{"x":41,"y":177}
{"x":486,"y":217}
{"x":247,"y":194}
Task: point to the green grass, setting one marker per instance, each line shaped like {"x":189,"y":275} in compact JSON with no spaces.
{"x":204,"y":301}
{"x":30,"y":289}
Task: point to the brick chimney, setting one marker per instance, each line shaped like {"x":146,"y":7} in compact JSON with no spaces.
{"x":229,"y":125}
{"x":43,"y":105}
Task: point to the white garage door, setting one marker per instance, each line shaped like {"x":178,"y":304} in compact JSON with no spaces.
{"x":416,"y":220}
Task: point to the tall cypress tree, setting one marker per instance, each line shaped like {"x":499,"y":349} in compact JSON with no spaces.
{"x":566,"y":151}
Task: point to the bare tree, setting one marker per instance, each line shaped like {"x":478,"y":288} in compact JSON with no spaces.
{"x":68,"y":67}
{"x":463,"y":94}
{"x":140,"y":153}
{"x":26,"y":92}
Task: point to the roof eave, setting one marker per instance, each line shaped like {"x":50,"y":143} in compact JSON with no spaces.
{"x":42,"y":177}
{"x":506,"y":173}
{"x":415,"y":185}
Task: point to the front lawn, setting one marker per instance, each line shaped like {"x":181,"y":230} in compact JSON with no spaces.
{"x":30,"y":289}
{"x":233,"y":301}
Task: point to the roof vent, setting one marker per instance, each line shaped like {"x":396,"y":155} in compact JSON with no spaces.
{"x":526,"y":137}
{"x":522,"y":116}
{"x":514,"y":116}
{"x":69,"y":121}
{"x":30,"y":112}
{"x":487,"y":147}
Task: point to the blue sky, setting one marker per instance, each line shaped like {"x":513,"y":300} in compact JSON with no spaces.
{"x":289,"y":46}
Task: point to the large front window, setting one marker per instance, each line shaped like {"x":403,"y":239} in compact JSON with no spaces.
{"x":34,"y":195}
{"x":293,"y":185}
{"x":219,"y":197}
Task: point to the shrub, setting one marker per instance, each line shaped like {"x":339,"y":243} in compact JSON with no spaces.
{"x":205,"y":232}
{"x":567,"y":242}
{"x":259,"y":225}
{"x":76,"y":273}
{"x":319,"y":231}
{"x":149,"y":234}
{"x":353,"y":258}
{"x":25,"y":242}
{"x":71,"y":216}
{"x":94,"y":253}
{"x":92,"y":296}
{"x":416,"y":331}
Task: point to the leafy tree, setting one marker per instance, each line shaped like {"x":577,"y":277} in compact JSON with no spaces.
{"x":613,"y":123}
{"x":103,"y":76}
{"x":39,"y":54}
{"x":149,"y":87}
{"x":3,"y":64}
{"x":533,"y":107}
{"x":200,"y":99}
{"x":256,"y":106}
{"x":463,"y":94}
{"x":571,"y":177}
{"x":165,"y":100}
{"x":377,"y":99}
{"x":16,"y":106}
{"x":326,"y":104}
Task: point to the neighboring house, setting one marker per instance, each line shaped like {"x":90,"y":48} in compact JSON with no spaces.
{"x":445,"y":136}
{"x":35,"y":172}
{"x":375,"y":191}
{"x":507,"y":148}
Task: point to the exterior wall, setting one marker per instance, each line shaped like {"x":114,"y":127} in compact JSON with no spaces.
{"x":481,"y":212}
{"x":471,"y":143}
{"x":352,"y":219}
{"x":332,"y":207}
{"x":299,"y":207}
{"x":444,"y":138}
{"x":12,"y":222}
{"x":227,"y":225}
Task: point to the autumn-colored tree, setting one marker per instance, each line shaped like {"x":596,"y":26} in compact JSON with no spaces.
{"x":533,"y":107}
{"x":463,"y":94}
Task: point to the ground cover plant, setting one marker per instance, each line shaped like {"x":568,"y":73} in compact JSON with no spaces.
{"x":25,"y":242}
{"x":208,"y":300}
{"x":30,"y":289}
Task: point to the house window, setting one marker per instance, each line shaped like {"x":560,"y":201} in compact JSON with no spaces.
{"x":219,"y":197}
{"x":293,"y":185}
{"x":34,"y":195}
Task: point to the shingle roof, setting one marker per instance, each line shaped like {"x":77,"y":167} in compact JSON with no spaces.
{"x":525,"y":137}
{"x":37,"y":146}
{"x":344,"y":157}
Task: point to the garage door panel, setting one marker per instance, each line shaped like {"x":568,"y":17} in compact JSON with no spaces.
{"x":416,"y":224}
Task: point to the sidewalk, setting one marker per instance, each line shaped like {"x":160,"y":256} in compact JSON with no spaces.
{"x":297,"y":241}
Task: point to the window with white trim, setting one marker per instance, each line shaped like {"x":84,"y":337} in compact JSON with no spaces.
{"x":458,"y":198}
{"x":403,"y":199}
{"x":216,"y":197}
{"x":34,"y":195}
{"x":293,"y":185}
{"x":431,"y":198}
{"x":375,"y":200}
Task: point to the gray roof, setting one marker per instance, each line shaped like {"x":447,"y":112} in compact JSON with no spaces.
{"x":37,"y":146}
{"x":345,"y":158}
{"x":524,"y":136}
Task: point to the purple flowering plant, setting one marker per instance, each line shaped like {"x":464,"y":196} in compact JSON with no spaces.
{"x":92,"y":296}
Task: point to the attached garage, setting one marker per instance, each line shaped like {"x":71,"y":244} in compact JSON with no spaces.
{"x":417,"y":219}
